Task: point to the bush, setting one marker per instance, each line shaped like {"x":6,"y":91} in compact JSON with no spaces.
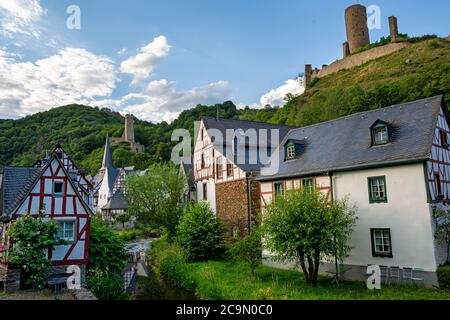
{"x":106,"y":249}
{"x":129,"y":235}
{"x":168,"y":259}
{"x":443,"y":274}
{"x":248,"y":250}
{"x":105,"y":286}
{"x":200,"y":233}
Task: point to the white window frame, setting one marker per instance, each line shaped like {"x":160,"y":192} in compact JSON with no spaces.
{"x":62,"y":223}
{"x":384,"y":240}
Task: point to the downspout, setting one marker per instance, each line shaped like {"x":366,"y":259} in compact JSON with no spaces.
{"x":249,"y":205}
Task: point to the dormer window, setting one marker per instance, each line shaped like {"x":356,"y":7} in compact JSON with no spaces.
{"x":290,"y":151}
{"x":443,"y":136}
{"x":380,"y":133}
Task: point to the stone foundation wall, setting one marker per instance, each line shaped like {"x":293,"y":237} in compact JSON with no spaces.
{"x":63,"y":269}
{"x":360,"y":58}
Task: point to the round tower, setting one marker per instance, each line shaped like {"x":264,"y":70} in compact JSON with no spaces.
{"x":356,"y":26}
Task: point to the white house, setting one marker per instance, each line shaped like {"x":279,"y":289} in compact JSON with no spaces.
{"x":393,"y":163}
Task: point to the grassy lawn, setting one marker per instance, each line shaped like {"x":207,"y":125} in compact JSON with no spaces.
{"x":227,"y":280}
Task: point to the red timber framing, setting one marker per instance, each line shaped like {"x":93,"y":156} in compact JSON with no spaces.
{"x":267,"y":194}
{"x":68,"y":206}
{"x":438,"y":167}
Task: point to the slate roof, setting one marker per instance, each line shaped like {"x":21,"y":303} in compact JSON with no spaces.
{"x":15,"y":187}
{"x":187,"y":168}
{"x":223,"y":124}
{"x":116,"y":202}
{"x":346,"y":143}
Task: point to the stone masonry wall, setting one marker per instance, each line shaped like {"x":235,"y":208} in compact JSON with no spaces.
{"x":232,"y":205}
{"x":360,"y":58}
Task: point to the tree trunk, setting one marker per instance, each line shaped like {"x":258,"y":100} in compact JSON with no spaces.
{"x":310,"y":269}
{"x":301,"y":257}
{"x":316,"y":269}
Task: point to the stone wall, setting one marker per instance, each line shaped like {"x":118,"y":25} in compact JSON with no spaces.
{"x":62,"y":269}
{"x":232,"y":204}
{"x":360,"y":58}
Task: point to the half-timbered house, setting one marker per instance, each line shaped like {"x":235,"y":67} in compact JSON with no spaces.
{"x":54,"y":188}
{"x":228,"y":155}
{"x":393,"y":163}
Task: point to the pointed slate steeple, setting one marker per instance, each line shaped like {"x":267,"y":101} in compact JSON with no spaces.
{"x":107,"y":158}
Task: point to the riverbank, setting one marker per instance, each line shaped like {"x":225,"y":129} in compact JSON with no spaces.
{"x":229,"y":281}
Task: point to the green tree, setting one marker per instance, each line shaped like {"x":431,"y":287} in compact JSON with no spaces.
{"x":32,"y":238}
{"x":106,"y":249}
{"x":122,"y":218}
{"x":306,"y":229}
{"x":442,"y":231}
{"x":200,"y":233}
{"x":249,"y":249}
{"x":156,"y":199}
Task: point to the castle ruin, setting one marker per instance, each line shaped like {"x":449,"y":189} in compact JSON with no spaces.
{"x":128,"y":135}
{"x":357,"y":37}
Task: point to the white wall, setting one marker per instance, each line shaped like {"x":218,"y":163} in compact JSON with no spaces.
{"x":211,"y":195}
{"x":406,"y":213}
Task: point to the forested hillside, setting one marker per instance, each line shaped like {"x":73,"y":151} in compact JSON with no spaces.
{"x":420,"y":70}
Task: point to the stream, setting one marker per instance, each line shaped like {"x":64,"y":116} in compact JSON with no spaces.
{"x":155,"y":287}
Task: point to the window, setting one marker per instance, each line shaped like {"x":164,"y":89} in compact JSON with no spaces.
{"x":58,"y":188}
{"x":66,"y":230}
{"x":443,"y":136}
{"x":377,"y":189}
{"x":381,"y":242}
{"x":205,"y":191}
{"x":437,"y":183}
{"x":290,"y":151}
{"x":308,"y":184}
{"x":279,"y":189}
{"x":380,"y":134}
{"x":230,"y":170}
{"x":219,"y":168}
{"x":201,"y":135}
{"x":203,"y":161}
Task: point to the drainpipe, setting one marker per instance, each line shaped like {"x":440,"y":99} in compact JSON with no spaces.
{"x":249,"y":204}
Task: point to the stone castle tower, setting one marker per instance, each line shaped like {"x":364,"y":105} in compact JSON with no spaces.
{"x":128,"y":135}
{"x":356,"y":27}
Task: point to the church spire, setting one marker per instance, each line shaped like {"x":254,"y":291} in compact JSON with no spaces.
{"x":107,"y":158}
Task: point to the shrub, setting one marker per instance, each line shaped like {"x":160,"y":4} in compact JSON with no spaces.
{"x":106,"y":249}
{"x":443,"y":274}
{"x":128,"y":235}
{"x":32,"y":238}
{"x":248,"y":250}
{"x":200,"y":233}
{"x":105,"y":286}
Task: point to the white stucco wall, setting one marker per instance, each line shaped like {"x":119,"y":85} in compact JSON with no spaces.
{"x":406,"y":213}
{"x":211,"y":192}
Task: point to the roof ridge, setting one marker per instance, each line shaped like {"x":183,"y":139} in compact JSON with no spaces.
{"x":250,"y":121}
{"x":364,"y":112}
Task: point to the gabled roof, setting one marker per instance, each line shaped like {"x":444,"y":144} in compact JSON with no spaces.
{"x":345,"y":143}
{"x":116,"y":202}
{"x":107,"y":157}
{"x":18,"y":183}
{"x":188,"y":172}
{"x":223,"y":124}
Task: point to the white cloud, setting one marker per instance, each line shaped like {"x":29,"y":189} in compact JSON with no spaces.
{"x":143,"y":64}
{"x":162,"y":102}
{"x":275,"y":97}
{"x":20,"y":17}
{"x":72,"y":75}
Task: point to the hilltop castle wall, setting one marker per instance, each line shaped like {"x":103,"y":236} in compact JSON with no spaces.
{"x":359,"y":59}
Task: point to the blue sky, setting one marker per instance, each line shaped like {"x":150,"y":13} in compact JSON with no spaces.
{"x":211,"y":50}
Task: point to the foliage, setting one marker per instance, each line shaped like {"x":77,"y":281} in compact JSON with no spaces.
{"x":130,"y":234}
{"x":443,"y":275}
{"x":200,"y":233}
{"x":106,"y":249}
{"x":249,"y":249}
{"x":105,"y":286}
{"x":442,"y":230}
{"x":33,"y":238}
{"x":155,"y":199}
{"x":230,"y":281}
{"x":305,"y":228}
{"x":122,"y":218}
